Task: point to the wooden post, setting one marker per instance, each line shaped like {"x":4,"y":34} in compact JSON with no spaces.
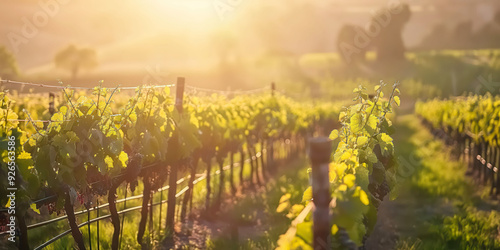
{"x":151,"y":209}
{"x":270,"y":154}
{"x":88,"y":226}
{"x":242,"y":165}
{"x":497,"y":167}
{"x":172,"y":179}
{"x":23,"y":228}
{"x":264,"y":167}
{"x":161,"y":208}
{"x":179,"y":94}
{"x":491,"y":166}
{"x":97,"y":216}
{"x":320,"y":152}
{"x":270,"y":142}
{"x":484,"y":153}
{"x":52,"y":108}
{"x":477,"y":168}
{"x":231,"y":173}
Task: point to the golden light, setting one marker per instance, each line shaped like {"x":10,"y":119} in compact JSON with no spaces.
{"x":194,"y":9}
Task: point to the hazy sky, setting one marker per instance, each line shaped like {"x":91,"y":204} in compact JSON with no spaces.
{"x":183,"y":32}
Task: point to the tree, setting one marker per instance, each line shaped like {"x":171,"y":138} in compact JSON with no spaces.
{"x":8,"y":65}
{"x":389,"y":42}
{"x":75,"y":59}
{"x":438,"y":38}
{"x":346,"y":46}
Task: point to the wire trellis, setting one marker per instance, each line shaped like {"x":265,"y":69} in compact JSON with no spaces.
{"x":125,"y":210}
{"x":41,"y":85}
{"x":191,"y":88}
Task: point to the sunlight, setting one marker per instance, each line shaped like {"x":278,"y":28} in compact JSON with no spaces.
{"x":298,"y":124}
{"x":192,"y":15}
{"x":190,"y":4}
{"x":190,"y":8}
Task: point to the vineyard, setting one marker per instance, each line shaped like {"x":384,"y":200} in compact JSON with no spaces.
{"x":147,"y":165}
{"x":94,"y":146}
{"x":250,"y":125}
{"x":470,"y":125}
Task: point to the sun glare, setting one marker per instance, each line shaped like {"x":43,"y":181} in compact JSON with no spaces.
{"x":191,"y":4}
{"x":192,"y":8}
{"x":191,"y":14}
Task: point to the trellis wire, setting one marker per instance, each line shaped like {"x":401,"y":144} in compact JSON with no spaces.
{"x":89,"y":221}
{"x":184,"y":190}
{"x":41,"y":85}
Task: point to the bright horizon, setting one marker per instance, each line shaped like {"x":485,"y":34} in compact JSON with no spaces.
{"x":195,"y":35}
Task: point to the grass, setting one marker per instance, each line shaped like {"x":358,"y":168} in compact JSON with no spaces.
{"x":446,"y":210}
{"x":293,"y":180}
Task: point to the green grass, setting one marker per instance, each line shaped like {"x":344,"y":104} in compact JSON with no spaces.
{"x":446,"y":210}
{"x":293,"y":180}
{"x":425,"y":74}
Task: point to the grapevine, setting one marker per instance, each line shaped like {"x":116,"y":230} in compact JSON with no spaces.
{"x":362,"y":172}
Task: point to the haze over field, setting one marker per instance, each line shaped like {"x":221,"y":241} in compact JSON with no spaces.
{"x":196,"y":37}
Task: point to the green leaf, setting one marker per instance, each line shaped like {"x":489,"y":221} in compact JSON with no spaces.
{"x":305,"y":232}
{"x":362,"y":140}
{"x":371,"y":218}
{"x":346,"y":155}
{"x":349,"y":180}
{"x":295,"y":211}
{"x":385,"y":137}
{"x":340,"y":168}
{"x":357,"y":232}
{"x":378,"y":173}
{"x":33,"y":207}
{"x":356,"y":123}
{"x":372,"y":157}
{"x":72,"y":136}
{"x":284,"y":203}
{"x":335,"y":229}
{"x":386,"y":125}
{"x":307,"y":196}
{"x":372,"y":122}
{"x":363,"y":197}
{"x":115,"y":147}
{"x":397,"y":101}
{"x":123,"y":158}
{"x":362,"y":177}
{"x":285,"y":198}
{"x":334,"y":134}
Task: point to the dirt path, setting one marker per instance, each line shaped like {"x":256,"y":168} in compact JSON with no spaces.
{"x":247,"y":220}
{"x":433,"y":188}
{"x":403,"y":219}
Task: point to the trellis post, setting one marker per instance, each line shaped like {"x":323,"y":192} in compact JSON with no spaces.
{"x":320,"y":151}
{"x":172,"y":181}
